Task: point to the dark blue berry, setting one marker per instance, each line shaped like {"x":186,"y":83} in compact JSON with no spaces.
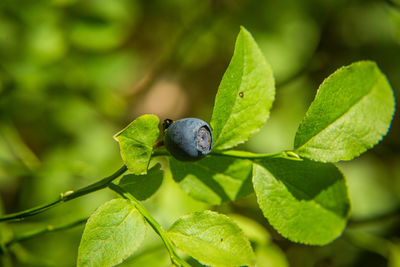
{"x":188,"y":139}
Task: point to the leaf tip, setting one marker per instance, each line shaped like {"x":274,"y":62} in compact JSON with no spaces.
{"x":245,"y":32}
{"x":115,"y":136}
{"x":243,"y":29}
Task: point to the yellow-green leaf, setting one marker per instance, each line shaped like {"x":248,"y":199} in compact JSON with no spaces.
{"x":212,"y":239}
{"x":350,"y":114}
{"x":113,"y":232}
{"x":136,"y":142}
{"x":244,"y":96}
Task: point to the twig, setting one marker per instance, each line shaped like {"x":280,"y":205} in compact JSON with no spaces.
{"x":249,"y":155}
{"x":242,"y":154}
{"x":47,"y":229}
{"x":64,"y":197}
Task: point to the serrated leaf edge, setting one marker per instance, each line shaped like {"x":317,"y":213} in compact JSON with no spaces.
{"x":296,"y":240}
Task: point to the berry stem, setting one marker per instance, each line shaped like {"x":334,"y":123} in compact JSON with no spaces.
{"x":158,"y":144}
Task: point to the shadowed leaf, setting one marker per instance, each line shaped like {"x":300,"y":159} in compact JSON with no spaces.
{"x":305,"y":201}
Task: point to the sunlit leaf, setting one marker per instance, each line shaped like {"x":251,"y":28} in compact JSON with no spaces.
{"x":212,"y":239}
{"x":351,"y":113}
{"x":244,"y":96}
{"x":113,"y":232}
{"x":136,"y":142}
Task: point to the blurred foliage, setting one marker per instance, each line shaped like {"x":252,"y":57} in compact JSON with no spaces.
{"x":75,"y":72}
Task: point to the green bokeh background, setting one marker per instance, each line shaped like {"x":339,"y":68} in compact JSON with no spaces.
{"x":73,"y":73}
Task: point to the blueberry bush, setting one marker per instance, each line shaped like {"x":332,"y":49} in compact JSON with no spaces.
{"x":301,"y":192}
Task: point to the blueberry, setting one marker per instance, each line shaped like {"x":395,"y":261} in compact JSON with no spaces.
{"x":188,"y":139}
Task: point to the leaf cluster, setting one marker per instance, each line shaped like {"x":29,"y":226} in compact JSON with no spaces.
{"x":301,"y":192}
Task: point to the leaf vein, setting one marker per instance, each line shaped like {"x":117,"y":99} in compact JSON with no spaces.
{"x":338,"y":117}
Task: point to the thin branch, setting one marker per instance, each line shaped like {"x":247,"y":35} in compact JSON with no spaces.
{"x":249,"y":155}
{"x":176,"y":260}
{"x":47,"y":229}
{"x":241,"y":154}
{"x":64,"y":197}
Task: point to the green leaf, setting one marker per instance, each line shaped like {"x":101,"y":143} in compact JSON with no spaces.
{"x":151,"y":255}
{"x":351,"y":113}
{"x":136,"y":142}
{"x":214,"y":179}
{"x":212,"y":239}
{"x":244,"y":96}
{"x":113,"y":232}
{"x":305,"y":201}
{"x":143,"y":186}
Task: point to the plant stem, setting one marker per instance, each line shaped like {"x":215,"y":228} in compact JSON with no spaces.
{"x":242,"y":154}
{"x":176,"y":260}
{"x":249,"y":155}
{"x":64,"y":197}
{"x":47,"y":229}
